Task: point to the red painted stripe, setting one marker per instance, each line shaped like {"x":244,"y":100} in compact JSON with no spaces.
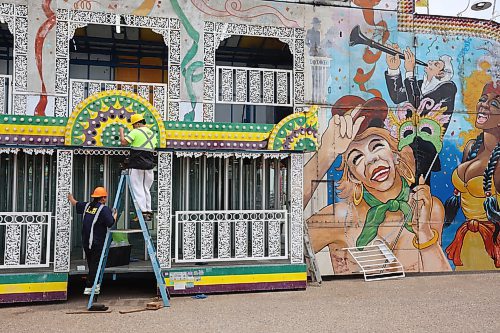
{"x":34,"y":297}
{"x":44,"y":29}
{"x":223,"y":288}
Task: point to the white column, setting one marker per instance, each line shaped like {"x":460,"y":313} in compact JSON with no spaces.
{"x":296,"y":209}
{"x":164,"y":208}
{"x":63,"y":211}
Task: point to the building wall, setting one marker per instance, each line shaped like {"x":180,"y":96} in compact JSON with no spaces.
{"x":338,"y":76}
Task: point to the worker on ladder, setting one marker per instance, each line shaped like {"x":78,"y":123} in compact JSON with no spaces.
{"x":142,"y":141}
{"x":97,"y":218}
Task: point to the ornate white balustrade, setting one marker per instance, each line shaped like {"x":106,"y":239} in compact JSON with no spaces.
{"x":255,"y":86}
{"x":233,"y":235}
{"x":5,"y":94}
{"x":25,"y":239}
{"x":155,"y":93}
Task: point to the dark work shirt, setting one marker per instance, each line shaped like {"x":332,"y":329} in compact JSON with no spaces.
{"x":104,"y":221}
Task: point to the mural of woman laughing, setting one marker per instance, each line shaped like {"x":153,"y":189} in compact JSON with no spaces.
{"x":375,"y":191}
{"x":477,"y":190}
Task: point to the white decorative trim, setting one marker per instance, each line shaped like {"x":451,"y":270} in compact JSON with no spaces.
{"x":193,"y":154}
{"x":16,"y":17}
{"x":164,"y":209}
{"x":224,"y":154}
{"x":69,"y":20}
{"x":9,"y":150}
{"x":29,"y":151}
{"x":296,"y":210}
{"x":101,"y":152}
{"x":38,"y":151}
{"x":215,"y":32}
{"x":63,"y":211}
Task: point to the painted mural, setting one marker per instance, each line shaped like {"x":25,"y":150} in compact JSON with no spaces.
{"x":408,"y":119}
{"x":410,"y":143}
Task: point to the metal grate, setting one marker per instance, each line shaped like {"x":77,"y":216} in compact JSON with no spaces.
{"x":377,"y":262}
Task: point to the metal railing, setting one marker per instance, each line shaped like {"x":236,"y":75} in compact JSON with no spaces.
{"x":231,"y":235}
{"x":255,"y":86}
{"x":155,"y":93}
{"x":5,"y":94}
{"x":25,"y":239}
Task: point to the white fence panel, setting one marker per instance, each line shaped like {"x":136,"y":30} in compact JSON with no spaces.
{"x":25,"y":239}
{"x":155,"y":93}
{"x":255,"y":86}
{"x":232,"y":235}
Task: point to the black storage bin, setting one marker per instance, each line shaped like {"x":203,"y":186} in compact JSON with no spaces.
{"x":119,"y":255}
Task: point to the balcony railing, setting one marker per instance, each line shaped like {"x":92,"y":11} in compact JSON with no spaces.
{"x":155,"y":93}
{"x":5,"y":94}
{"x":25,"y":239}
{"x":256,"y":86}
{"x":233,"y":235}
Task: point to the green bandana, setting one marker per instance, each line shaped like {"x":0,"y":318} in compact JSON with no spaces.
{"x":376,"y":214}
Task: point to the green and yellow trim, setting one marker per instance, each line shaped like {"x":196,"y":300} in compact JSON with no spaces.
{"x":97,"y":120}
{"x":33,"y":287}
{"x":236,"y":278}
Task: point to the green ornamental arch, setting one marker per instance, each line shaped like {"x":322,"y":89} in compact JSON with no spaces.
{"x":96,"y":120}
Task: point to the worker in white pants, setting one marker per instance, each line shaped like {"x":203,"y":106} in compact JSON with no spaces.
{"x":142,"y":141}
{"x":141,"y":181}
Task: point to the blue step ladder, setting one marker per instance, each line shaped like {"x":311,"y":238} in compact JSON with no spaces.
{"x":125,"y":179}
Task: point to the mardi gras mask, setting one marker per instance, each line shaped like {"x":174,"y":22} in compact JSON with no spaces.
{"x":428,"y":127}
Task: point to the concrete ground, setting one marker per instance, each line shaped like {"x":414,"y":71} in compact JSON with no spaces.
{"x":433,"y":303}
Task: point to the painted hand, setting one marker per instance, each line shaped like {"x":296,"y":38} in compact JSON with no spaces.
{"x":339,"y":134}
{"x":421,"y":221}
{"x":393,"y":62}
{"x":409,"y":60}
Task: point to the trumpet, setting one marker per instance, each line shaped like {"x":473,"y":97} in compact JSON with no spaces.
{"x":357,"y":37}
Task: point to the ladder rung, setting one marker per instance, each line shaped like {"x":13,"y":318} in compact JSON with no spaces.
{"x":381,"y":269}
{"x":366,"y":251}
{"x":384,"y":265}
{"x":372,"y":260}
{"x":126,"y":231}
{"x":371,"y":255}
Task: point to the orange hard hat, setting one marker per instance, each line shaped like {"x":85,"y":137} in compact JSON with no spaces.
{"x":99,"y":192}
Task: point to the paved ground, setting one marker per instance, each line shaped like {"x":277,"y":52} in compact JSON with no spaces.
{"x":436,"y":303}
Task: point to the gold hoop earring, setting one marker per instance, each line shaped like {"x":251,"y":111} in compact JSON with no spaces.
{"x":410,"y":177}
{"x":357,"y":201}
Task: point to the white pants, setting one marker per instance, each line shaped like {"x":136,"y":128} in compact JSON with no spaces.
{"x":141,"y":181}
